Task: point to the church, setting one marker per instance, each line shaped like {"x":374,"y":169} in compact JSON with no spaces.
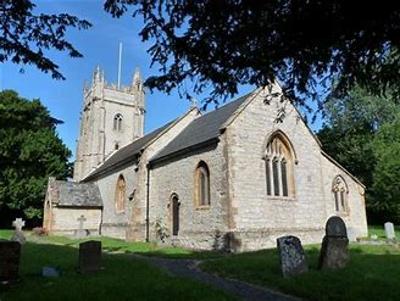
{"x":235,"y":178}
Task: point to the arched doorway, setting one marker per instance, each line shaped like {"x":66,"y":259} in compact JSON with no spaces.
{"x":175,"y":215}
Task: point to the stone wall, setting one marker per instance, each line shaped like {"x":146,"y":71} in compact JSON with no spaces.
{"x":131,"y":224}
{"x":65,"y":220}
{"x":200,"y":227}
{"x":258,"y":218}
{"x":355,"y":217}
{"x":137,"y":228}
{"x":114,"y":224}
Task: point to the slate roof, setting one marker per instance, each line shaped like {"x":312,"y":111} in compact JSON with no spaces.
{"x":201,"y":130}
{"x":71,"y":194}
{"x":126,"y":153}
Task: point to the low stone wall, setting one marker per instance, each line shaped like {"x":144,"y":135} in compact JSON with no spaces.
{"x":114,"y":230}
{"x":243,"y":240}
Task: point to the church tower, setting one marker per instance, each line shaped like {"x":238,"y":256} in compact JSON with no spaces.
{"x":111,"y":118}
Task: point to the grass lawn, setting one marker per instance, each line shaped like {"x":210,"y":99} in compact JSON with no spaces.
{"x":123,"y":277}
{"x":380,"y":231}
{"x":373,"y":274}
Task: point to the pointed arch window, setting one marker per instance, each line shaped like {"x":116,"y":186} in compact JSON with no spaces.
{"x":120,"y":193}
{"x":340,"y":192}
{"x":117,"y":125}
{"x":202,"y":185}
{"x":279,"y":167}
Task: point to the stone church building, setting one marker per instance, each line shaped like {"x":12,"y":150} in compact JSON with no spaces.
{"x":234,"y":178}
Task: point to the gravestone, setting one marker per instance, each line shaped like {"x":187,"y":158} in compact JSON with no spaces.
{"x":18,"y":235}
{"x":292,"y":257}
{"x":10,"y":254}
{"x":334,"y":250}
{"x":389,"y":231}
{"x":81,"y":232}
{"x":89,"y":256}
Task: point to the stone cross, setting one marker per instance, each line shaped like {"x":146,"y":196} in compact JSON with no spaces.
{"x":81,"y":220}
{"x":19,"y":223}
{"x":389,"y":231}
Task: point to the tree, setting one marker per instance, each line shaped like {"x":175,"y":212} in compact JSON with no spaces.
{"x":351,"y":136}
{"x":25,"y":36}
{"x":30,"y":152}
{"x":308,"y":45}
{"x":387,"y":172}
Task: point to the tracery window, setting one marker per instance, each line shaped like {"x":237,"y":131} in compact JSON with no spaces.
{"x":279,"y":169}
{"x":340,"y":192}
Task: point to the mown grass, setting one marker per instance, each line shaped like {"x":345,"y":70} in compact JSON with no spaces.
{"x":380,"y":231}
{"x":373,"y":274}
{"x":123,"y":278}
{"x":121,"y":246}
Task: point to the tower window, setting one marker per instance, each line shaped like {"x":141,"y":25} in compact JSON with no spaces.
{"x":117,"y":126}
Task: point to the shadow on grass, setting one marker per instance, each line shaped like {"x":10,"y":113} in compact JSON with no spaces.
{"x":372,"y":274}
{"x":122,"y":278}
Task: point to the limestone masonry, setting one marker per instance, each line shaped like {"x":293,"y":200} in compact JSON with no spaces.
{"x":236,"y":178}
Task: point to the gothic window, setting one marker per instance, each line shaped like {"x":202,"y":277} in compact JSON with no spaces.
{"x":117,"y":125}
{"x":279,"y":169}
{"x":340,"y":191}
{"x":202,"y":185}
{"x":120,"y":192}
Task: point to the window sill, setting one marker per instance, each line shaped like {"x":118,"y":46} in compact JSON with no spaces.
{"x":281,"y":198}
{"x":200,"y":208}
{"x":342,"y":213}
{"x":120,"y":212}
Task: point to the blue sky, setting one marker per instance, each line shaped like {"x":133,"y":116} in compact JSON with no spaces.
{"x":99,"y":45}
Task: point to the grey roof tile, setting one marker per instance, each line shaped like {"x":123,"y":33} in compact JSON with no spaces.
{"x":71,"y":194}
{"x":202,"y":129}
{"x":126,"y":153}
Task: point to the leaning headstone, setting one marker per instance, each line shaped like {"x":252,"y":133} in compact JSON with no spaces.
{"x":81,"y":232}
{"x":292,"y":257}
{"x":389,"y":231}
{"x":89,"y":256}
{"x":18,"y":235}
{"x":334,"y":250}
{"x":10,"y":254}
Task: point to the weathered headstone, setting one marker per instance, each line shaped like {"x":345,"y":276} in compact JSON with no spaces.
{"x":89,"y":256}
{"x":334,"y":250}
{"x":18,"y":235}
{"x":10,"y":254}
{"x":292,"y":257}
{"x":81,"y":232}
{"x":389,"y":231}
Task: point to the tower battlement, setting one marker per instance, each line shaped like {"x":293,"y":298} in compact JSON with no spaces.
{"x":111,"y":118}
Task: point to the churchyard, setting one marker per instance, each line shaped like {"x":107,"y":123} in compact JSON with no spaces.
{"x":125,"y":270}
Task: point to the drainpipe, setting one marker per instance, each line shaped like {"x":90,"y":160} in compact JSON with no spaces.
{"x":148,"y":203}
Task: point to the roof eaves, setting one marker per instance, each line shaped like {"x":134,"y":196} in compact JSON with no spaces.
{"x":184,"y":151}
{"x":342,"y":168}
{"x":240,"y":109}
